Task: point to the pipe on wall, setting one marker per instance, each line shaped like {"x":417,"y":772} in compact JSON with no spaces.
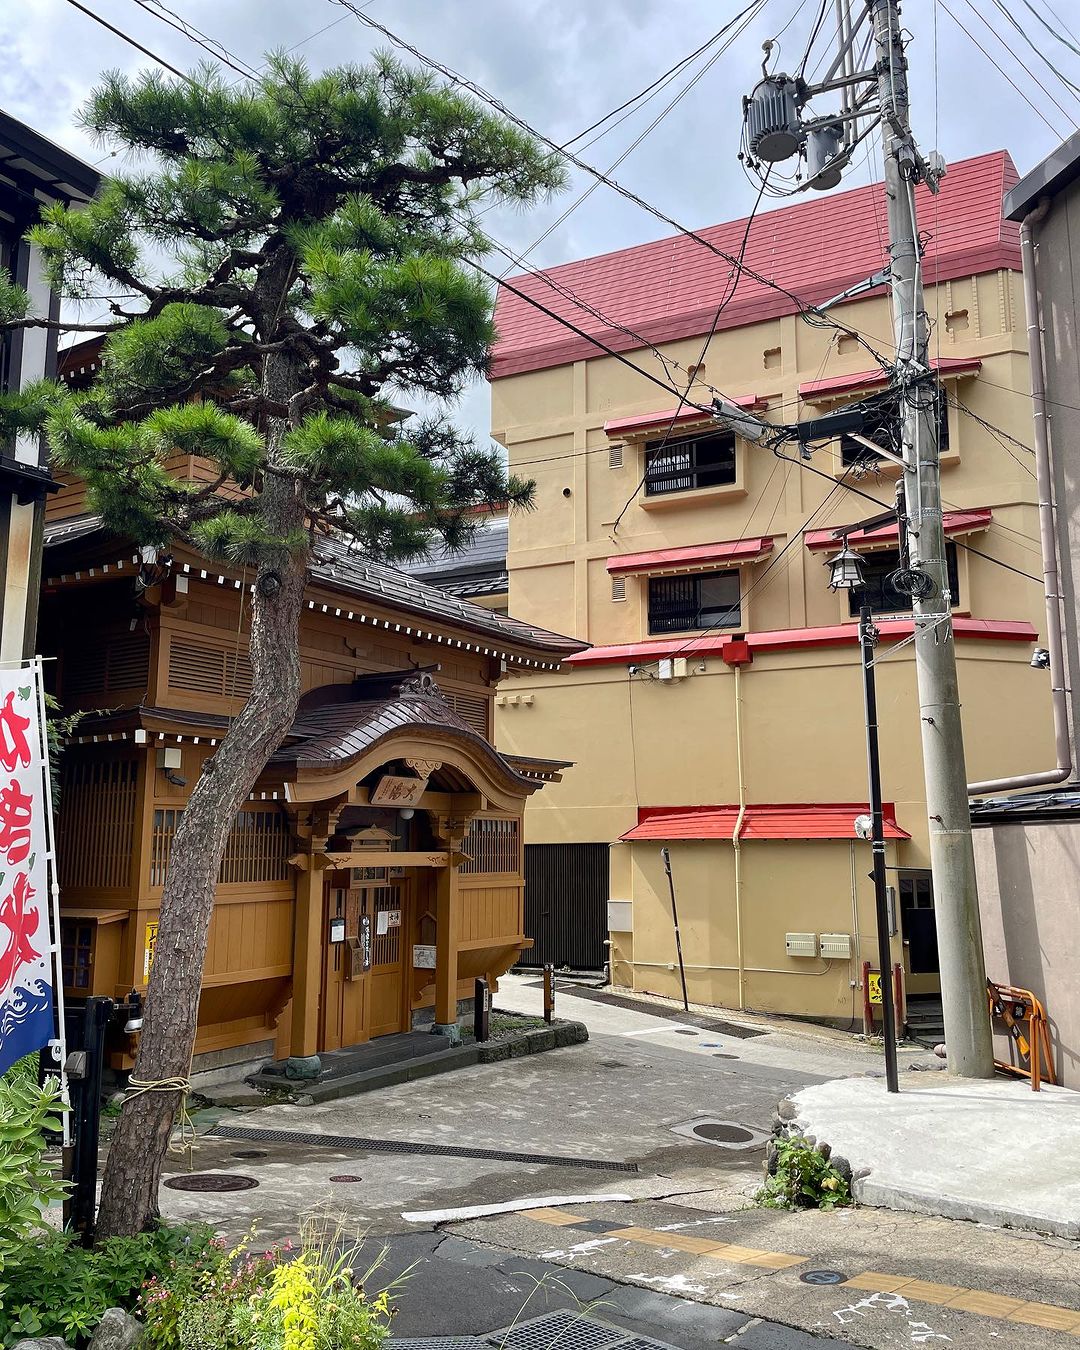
{"x":737,"y":845}
{"x":1047,"y":532}
{"x":751,"y":970}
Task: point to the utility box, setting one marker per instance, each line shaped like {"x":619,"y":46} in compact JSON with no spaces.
{"x":620,"y":916}
{"x":801,"y":944}
{"x":837,"y":945}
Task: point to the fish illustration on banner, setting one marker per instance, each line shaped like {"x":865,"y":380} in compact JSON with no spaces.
{"x":26,"y":993}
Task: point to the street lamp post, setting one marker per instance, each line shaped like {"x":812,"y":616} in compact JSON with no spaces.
{"x":847,"y":574}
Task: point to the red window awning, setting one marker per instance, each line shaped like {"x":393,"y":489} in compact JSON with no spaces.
{"x":660,"y":421}
{"x":954,"y":522}
{"x":837,"y":385}
{"x":832,"y":820}
{"x":731,"y":551}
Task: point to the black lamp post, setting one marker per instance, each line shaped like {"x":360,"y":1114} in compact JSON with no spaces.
{"x":847,"y":574}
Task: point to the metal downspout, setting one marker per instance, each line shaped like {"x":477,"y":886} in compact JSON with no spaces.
{"x":735,"y":844}
{"x":1047,"y":534}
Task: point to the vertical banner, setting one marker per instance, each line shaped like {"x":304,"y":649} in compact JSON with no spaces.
{"x":26,"y":953}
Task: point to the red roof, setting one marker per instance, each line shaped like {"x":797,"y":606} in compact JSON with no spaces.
{"x":670,"y":288}
{"x":953,"y":522}
{"x":733,"y":551}
{"x":629,"y":426}
{"x":817,"y":820}
{"x":790,"y":639}
{"x":877,"y":379}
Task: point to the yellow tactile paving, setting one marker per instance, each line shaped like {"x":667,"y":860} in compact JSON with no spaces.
{"x":558,"y":1217}
{"x":1047,"y":1315}
{"x":978,"y":1301}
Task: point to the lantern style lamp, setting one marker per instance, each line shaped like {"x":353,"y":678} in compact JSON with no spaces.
{"x":845,"y":570}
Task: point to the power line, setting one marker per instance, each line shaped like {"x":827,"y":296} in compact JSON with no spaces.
{"x":975,"y":43}
{"x":1070,"y":117}
{"x":193,"y":34}
{"x":130,"y":41}
{"x":808,"y":312}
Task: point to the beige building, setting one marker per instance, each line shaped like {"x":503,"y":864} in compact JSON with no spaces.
{"x":718,"y":712}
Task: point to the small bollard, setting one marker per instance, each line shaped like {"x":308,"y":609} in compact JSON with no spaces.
{"x":482,"y":1011}
{"x":549,"y":992}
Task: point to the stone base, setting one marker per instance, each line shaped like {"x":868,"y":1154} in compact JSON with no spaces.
{"x":450,"y":1030}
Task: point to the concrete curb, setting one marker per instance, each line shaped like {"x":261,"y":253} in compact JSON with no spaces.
{"x":531,"y":1042}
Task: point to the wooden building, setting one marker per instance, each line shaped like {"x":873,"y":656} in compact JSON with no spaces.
{"x":377,"y":869}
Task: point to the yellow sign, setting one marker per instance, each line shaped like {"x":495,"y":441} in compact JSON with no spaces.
{"x":148,"y":951}
{"x":874,"y":986}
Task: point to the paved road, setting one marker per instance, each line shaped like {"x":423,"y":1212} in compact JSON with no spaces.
{"x":681,"y":1258}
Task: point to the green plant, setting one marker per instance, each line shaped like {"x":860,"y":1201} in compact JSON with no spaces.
{"x":54,"y":1286}
{"x":191,"y":1305}
{"x":804,"y":1179}
{"x":27,"y":1114}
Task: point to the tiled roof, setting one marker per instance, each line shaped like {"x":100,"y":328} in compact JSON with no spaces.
{"x":485,"y":551}
{"x":836,"y":385}
{"x":340,"y":569}
{"x":953,"y":522}
{"x":694,"y":555}
{"x":669,"y":289}
{"x":327,"y":736}
{"x":831,"y":820}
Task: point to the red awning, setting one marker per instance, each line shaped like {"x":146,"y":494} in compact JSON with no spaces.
{"x":953,"y":522}
{"x":836,"y":385}
{"x":801,"y":821}
{"x":660,"y":421}
{"x":791,"y":639}
{"x":667,"y":559}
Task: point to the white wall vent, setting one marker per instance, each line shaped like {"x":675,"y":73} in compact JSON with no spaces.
{"x":615,"y":457}
{"x":801,"y":944}
{"x":618,"y":588}
{"x":836,"y":945}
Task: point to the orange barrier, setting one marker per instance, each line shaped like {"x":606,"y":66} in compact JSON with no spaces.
{"x":1015,"y":1007}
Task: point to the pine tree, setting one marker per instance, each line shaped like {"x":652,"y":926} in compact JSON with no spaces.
{"x":296,"y":248}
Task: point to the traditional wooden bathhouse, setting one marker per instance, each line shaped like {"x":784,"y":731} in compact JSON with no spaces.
{"x":376,"y":870}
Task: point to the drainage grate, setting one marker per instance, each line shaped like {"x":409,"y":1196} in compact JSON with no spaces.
{"x":558,"y":1331}
{"x":210,"y":1181}
{"x":347,"y":1143}
{"x":437,"y":1343}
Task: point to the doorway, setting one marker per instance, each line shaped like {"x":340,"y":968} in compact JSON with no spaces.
{"x":919,"y":922}
{"x":364,"y":987}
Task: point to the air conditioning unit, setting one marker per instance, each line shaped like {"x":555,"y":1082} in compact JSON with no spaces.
{"x":836,"y":945}
{"x":801,"y":944}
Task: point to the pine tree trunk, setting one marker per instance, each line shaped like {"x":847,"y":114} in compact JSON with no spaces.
{"x":137,"y":1151}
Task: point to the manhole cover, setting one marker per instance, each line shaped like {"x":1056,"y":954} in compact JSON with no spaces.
{"x":822,"y":1277}
{"x":731,"y":1134}
{"x":723,"y":1134}
{"x":343,"y":1177}
{"x":210,"y":1181}
{"x":249,"y":1153}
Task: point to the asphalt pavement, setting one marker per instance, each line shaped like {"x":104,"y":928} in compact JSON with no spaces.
{"x":672,"y":1115}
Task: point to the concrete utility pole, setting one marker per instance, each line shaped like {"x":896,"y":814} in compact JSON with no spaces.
{"x":956,"y":902}
{"x":777,"y":130}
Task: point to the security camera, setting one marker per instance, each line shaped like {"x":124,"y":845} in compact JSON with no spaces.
{"x":864,"y":826}
{"x":1040,"y":659}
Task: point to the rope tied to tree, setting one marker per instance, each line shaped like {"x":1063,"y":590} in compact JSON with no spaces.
{"x":138,"y":1087}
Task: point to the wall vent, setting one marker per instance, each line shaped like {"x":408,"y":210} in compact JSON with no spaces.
{"x":615,"y":457}
{"x":198,"y":669}
{"x":118,"y":661}
{"x":471,"y":708}
{"x":618,"y":588}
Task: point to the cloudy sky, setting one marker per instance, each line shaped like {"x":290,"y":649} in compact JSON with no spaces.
{"x":562,"y":64}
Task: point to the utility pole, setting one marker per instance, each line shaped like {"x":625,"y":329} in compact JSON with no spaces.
{"x":956,"y":901}
{"x":776,"y":130}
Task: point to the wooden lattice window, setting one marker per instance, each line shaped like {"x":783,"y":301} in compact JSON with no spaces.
{"x":472,"y":708}
{"x":199,"y":669}
{"x":76,"y":954}
{"x":118,"y":661}
{"x":96,"y":825}
{"x":256,"y":850}
{"x":493,"y":845}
